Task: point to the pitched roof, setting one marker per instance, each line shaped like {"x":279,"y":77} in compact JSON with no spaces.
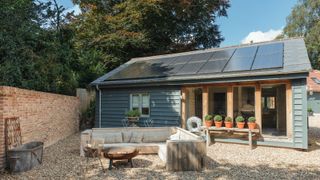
{"x":279,"y":57}
{"x":313,"y":81}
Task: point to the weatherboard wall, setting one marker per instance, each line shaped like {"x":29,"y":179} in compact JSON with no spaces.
{"x":164,"y":106}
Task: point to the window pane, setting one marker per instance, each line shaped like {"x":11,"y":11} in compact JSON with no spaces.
{"x":145,"y":111}
{"x":135,"y":101}
{"x":145,"y":101}
{"x":271,"y":102}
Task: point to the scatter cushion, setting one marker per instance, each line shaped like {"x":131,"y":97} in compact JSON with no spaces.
{"x":155,"y":136}
{"x":126,"y":136}
{"x":136,"y":137}
{"x":96,"y":142}
{"x":115,"y":137}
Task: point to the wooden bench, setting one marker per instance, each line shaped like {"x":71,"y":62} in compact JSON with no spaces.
{"x":251,"y":132}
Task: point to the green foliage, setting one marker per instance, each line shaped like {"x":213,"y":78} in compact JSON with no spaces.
{"x":304,"y":21}
{"x":87,"y":117}
{"x":217,"y":118}
{"x":310,"y":110}
{"x":228,"y":119}
{"x":133,"y":113}
{"x":239,"y":119}
{"x":252,"y":119}
{"x":208,"y":117}
{"x":35,"y":47}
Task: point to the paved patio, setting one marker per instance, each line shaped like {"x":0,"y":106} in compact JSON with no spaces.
{"x":227,"y":161}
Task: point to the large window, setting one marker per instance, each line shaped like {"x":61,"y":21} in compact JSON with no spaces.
{"x":141,"y":102}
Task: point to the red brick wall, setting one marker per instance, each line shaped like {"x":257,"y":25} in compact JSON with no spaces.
{"x":43,"y":116}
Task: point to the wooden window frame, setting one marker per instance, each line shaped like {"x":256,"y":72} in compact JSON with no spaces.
{"x":140,"y":103}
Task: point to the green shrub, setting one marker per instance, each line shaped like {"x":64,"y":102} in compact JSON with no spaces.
{"x":133,"y":113}
{"x":228,"y":119}
{"x":310,"y":110}
{"x":208,"y":117}
{"x":252,"y":119}
{"x":239,"y":119}
{"x":217,"y":118}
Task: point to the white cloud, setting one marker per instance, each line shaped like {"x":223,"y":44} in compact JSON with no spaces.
{"x":259,"y":36}
{"x":76,"y":10}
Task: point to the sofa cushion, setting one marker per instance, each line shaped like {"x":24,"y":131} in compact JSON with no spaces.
{"x":115,"y":137}
{"x":96,"y":142}
{"x":155,"y":136}
{"x":136,"y":137}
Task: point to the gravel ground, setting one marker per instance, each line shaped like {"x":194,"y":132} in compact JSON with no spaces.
{"x":225,"y":161}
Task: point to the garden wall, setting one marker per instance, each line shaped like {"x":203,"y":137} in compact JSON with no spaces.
{"x":43,"y":116}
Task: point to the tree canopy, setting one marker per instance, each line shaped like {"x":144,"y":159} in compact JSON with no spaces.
{"x":304,"y":21}
{"x":43,"y":47}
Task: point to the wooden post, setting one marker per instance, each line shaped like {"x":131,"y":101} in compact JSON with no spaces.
{"x":257,"y":106}
{"x":230,"y":101}
{"x":183,"y":107}
{"x":205,"y":102}
{"x":289,"y":109}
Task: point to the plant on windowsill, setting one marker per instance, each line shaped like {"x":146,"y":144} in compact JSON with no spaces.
{"x":218,"y":121}
{"x":133,"y":115}
{"x":240,"y":122}
{"x":228,"y":122}
{"x":310,"y":111}
{"x":252,"y":122}
{"x":208,"y":120}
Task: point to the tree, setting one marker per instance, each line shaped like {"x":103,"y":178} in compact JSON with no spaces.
{"x":304,"y":21}
{"x":109,"y":33}
{"x":35,"y":49}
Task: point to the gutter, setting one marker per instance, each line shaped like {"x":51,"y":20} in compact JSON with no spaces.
{"x":97,"y":87}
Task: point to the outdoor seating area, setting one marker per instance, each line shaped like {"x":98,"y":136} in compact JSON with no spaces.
{"x":223,"y":161}
{"x":176,"y":147}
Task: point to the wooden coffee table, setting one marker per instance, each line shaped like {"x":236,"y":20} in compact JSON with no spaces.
{"x":120,"y":153}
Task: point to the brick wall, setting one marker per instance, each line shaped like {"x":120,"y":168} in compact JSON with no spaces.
{"x":43,"y":116}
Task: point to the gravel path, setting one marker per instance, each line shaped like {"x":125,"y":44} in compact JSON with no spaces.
{"x":225,"y":161}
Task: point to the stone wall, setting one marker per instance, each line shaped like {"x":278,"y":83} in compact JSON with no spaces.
{"x":43,"y":116}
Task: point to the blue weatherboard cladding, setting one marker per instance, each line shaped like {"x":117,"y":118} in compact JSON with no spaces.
{"x":314,"y":102}
{"x":300,"y":131}
{"x":164,"y":106}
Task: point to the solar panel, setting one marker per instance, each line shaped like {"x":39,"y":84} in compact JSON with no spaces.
{"x":140,"y":70}
{"x":222,"y":55}
{"x":241,"y":60}
{"x":191,"y":68}
{"x":201,"y":57}
{"x":213,"y":66}
{"x":269,"y":56}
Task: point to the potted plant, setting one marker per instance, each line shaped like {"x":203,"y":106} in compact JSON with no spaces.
{"x":252,"y":122}
{"x":208,"y":120}
{"x":217,"y":121}
{"x":133,"y":115}
{"x":228,"y":122}
{"x":240,"y":122}
{"x":310,"y":111}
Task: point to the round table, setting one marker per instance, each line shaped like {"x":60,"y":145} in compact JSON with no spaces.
{"x":120,"y":153}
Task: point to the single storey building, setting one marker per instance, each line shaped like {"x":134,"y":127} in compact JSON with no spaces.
{"x":269,"y":78}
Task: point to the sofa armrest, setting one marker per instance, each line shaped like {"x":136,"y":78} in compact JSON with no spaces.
{"x":85,"y":138}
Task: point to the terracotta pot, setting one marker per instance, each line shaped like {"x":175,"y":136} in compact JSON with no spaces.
{"x":240,"y":125}
{"x":218,"y":124}
{"x":251,"y":125}
{"x":208,"y":123}
{"x":228,"y":124}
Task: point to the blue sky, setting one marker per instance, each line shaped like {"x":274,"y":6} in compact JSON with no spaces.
{"x":248,"y":20}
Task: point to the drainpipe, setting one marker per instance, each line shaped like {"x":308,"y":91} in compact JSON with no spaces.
{"x":97,"y":87}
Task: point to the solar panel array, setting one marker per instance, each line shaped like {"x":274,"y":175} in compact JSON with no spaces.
{"x":220,"y":61}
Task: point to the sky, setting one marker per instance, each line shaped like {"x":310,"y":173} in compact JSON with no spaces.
{"x":248,"y":20}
